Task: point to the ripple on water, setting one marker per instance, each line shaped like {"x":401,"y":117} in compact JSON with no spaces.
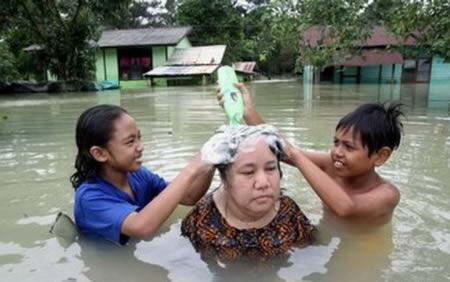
{"x":36,"y":158}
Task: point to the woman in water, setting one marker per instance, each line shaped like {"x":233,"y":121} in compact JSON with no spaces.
{"x":248,"y":215}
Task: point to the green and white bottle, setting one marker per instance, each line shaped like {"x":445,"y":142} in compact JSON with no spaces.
{"x":233,"y":101}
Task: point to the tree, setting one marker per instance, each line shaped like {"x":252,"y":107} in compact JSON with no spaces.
{"x":8,"y":69}
{"x":141,"y":14}
{"x":425,"y":21}
{"x":259,"y":30}
{"x":341,"y":26}
{"x":64,"y":29}
{"x":270,"y":32}
{"x":214,"y":22}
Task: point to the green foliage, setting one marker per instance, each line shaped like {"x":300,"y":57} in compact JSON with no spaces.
{"x":8,"y":69}
{"x":426,"y":21}
{"x":141,"y":13}
{"x":345,"y":24}
{"x":64,"y":29}
{"x":342,"y":26}
{"x":270,"y":32}
{"x":260,"y":30}
{"x":213,"y":22}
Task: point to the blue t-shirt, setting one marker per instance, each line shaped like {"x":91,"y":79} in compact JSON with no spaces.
{"x":100,"y":207}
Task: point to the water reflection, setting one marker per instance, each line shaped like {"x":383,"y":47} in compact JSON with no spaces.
{"x":294,"y":266}
{"x":113,"y":263}
{"x":363,"y":250}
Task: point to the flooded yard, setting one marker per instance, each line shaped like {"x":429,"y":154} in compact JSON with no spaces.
{"x":37,"y":152}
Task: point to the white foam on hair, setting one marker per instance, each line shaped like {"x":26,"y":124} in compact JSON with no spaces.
{"x":222,"y":148}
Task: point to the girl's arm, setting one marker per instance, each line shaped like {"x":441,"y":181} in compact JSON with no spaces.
{"x":146,"y":222}
{"x":198,"y":189}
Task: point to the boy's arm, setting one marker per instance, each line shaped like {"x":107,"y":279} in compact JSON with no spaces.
{"x":373,"y":204}
{"x":147,"y":221}
{"x":252,"y":117}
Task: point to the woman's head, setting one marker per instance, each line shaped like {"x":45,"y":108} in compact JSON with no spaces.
{"x":248,"y":160}
{"x":95,"y":127}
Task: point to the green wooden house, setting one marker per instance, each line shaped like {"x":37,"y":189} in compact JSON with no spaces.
{"x":125,"y":55}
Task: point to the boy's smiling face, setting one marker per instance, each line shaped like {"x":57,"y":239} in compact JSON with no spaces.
{"x":350,"y":158}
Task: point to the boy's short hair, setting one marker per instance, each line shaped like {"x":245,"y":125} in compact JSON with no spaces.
{"x":377,"y":124}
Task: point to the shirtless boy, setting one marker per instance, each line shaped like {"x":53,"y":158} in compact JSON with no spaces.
{"x":345,"y":178}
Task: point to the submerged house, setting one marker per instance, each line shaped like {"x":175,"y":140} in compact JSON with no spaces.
{"x":378,"y":64}
{"x":245,"y":70}
{"x":189,"y":65}
{"x":125,"y":55}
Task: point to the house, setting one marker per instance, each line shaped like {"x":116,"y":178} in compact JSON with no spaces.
{"x":125,"y":55}
{"x":189,"y":65}
{"x":378,"y":63}
{"x":244,"y":70}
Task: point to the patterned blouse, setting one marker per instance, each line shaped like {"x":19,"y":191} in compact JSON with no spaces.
{"x":211,"y":235}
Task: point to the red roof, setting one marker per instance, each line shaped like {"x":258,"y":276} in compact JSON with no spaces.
{"x":379,"y":37}
{"x":245,"y":67}
{"x":373,"y":57}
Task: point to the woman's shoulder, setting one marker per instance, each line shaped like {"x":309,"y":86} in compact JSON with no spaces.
{"x":203,"y":208}
{"x":209,"y":232}
{"x":289,"y":208}
{"x":287,"y":203}
{"x":291,"y":217}
{"x":203,"y":223}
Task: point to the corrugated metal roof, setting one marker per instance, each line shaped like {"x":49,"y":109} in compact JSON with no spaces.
{"x":191,"y":61}
{"x":203,"y":55}
{"x":373,"y":57}
{"x":143,"y":36}
{"x":181,"y":70}
{"x":244,"y":67}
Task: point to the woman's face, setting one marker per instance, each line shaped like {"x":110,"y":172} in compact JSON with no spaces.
{"x":253,"y":180}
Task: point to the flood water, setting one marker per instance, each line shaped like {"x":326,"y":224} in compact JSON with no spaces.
{"x":36,"y":159}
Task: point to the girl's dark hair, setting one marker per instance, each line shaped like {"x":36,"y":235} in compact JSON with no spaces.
{"x":276,"y":149}
{"x":378,"y":125}
{"x":95,"y":127}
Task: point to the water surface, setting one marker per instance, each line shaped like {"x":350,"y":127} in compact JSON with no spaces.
{"x":36,"y":159}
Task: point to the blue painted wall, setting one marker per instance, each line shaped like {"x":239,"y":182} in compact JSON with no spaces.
{"x":440,"y":80}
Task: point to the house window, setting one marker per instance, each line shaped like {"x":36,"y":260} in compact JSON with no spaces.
{"x":134,"y":62}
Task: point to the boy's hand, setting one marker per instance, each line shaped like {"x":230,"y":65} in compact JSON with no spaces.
{"x":219,"y":97}
{"x":246,"y":95}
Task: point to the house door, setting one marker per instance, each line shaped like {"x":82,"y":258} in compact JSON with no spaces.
{"x":134,"y":62}
{"x":417,"y":71}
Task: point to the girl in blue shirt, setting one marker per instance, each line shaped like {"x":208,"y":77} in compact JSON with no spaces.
{"x":116,"y":198}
